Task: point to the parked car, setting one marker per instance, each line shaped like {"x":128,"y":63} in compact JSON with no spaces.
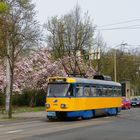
{"x":126,"y":103}
{"x":135,"y":102}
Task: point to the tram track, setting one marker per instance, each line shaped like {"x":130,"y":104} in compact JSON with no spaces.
{"x":38,"y":128}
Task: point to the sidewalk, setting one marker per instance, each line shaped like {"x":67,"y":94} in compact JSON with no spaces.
{"x":24,"y":116}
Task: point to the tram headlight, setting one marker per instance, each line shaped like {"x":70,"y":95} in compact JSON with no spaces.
{"x":47,"y":105}
{"x":63,"y":106}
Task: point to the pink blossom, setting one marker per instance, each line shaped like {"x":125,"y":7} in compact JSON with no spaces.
{"x":32,"y":71}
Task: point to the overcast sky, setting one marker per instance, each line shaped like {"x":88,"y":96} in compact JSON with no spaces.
{"x":103,"y":12}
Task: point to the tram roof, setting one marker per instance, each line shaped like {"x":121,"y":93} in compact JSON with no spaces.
{"x":95,"y":81}
{"x":85,"y":81}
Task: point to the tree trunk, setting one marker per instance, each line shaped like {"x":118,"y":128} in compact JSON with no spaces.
{"x":8,"y":88}
{"x":9,"y":82}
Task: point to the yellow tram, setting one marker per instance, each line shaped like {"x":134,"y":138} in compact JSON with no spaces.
{"x":81,"y":97}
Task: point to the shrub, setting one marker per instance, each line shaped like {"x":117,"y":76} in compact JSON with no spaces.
{"x":2,"y":100}
{"x":29,"y":98}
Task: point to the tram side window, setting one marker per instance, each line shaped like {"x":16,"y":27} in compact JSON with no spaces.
{"x":99,"y":91}
{"x":87,"y":91}
{"x":93,"y":91}
{"x":110,"y":91}
{"x":79,"y":91}
{"x":120,"y":92}
{"x":105,"y":91}
{"x":116,"y":91}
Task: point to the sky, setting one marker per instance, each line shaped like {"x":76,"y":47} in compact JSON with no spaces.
{"x":121,"y":16}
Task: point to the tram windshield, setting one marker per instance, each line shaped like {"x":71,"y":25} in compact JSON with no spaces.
{"x":57,"y":90}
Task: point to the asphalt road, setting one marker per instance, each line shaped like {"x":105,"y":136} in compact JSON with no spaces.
{"x":125,"y":126}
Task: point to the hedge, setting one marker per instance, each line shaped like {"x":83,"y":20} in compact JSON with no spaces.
{"x":27,"y":98}
{"x":2,"y":99}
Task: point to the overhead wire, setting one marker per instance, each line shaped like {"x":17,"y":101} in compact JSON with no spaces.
{"x":110,"y":26}
{"x":119,"y":28}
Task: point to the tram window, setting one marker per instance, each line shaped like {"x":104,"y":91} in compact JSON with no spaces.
{"x":110,"y":91}
{"x":70,"y":91}
{"x":87,"y":91}
{"x":93,"y":91}
{"x":99,"y":91}
{"x":120,"y":92}
{"x":116,"y":91}
{"x":57,"y":90}
{"x":79,"y":91}
{"x":105,"y":91}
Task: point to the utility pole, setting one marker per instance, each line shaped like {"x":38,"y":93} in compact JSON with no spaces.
{"x":115,"y":61}
{"x":115,"y":75}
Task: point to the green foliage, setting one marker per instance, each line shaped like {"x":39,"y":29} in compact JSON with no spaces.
{"x":127,"y":67}
{"x":28,"y":109}
{"x":3,"y":7}
{"x":18,"y":29}
{"x":20,"y":99}
{"x":29,"y":98}
{"x":2,"y":99}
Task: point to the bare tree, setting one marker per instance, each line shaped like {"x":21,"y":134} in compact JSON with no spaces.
{"x":21,"y":31}
{"x":69,"y":35}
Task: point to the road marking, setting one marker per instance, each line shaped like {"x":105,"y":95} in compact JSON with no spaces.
{"x":14,"y":131}
{"x":72,"y":126}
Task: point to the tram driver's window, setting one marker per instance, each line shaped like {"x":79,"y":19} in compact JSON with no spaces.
{"x":79,"y":91}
